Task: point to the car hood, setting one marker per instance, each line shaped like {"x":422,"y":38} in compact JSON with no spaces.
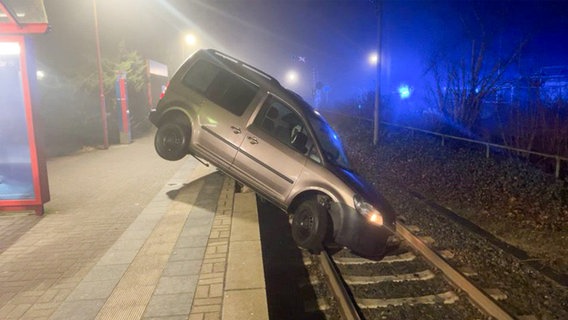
{"x":365,"y":190}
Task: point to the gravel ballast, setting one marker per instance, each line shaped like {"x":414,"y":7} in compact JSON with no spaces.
{"x":504,"y":195}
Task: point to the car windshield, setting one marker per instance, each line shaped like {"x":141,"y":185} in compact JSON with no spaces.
{"x":329,"y":141}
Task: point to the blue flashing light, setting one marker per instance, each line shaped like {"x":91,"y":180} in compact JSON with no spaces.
{"x":404,"y":91}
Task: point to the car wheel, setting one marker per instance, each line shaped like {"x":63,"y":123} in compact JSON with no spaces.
{"x":310,"y":225}
{"x":172,"y":141}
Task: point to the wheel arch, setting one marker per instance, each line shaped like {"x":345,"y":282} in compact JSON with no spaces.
{"x":307,"y":194}
{"x":316,"y":194}
{"x":333,"y":206}
{"x":173,"y":123}
{"x":174,"y":112}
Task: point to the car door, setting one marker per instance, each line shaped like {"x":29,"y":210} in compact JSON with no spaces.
{"x":273,"y":154}
{"x":222,"y":114}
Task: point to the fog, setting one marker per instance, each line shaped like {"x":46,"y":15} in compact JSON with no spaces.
{"x":334,"y":38}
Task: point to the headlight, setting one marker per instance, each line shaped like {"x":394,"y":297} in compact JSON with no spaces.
{"x":368,"y":211}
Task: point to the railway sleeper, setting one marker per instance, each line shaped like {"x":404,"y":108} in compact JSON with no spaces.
{"x":447,"y":297}
{"x":404,"y":257}
{"x":415,"y":276}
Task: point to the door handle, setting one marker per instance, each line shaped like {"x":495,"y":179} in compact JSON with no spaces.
{"x":236,"y":130}
{"x":252,"y":140}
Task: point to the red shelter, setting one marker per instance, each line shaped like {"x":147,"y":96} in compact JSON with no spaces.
{"x":23,"y":174}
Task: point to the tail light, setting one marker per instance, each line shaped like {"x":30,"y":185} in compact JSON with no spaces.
{"x":164,"y":88}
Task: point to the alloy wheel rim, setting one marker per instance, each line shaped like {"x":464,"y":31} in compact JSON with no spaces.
{"x":306,"y":224}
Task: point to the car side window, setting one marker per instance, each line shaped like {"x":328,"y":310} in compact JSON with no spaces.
{"x":284,"y":124}
{"x":220,"y":86}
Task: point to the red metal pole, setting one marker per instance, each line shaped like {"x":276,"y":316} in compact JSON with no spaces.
{"x":149,"y":84}
{"x":101,"y":86}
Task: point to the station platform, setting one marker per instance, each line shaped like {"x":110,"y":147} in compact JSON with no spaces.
{"x":131,"y":244}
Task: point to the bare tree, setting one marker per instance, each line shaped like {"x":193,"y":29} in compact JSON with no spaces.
{"x":463,"y":79}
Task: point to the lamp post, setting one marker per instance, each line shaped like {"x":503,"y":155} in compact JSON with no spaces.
{"x":311,"y":65}
{"x":376,"y":115}
{"x":101,"y":85}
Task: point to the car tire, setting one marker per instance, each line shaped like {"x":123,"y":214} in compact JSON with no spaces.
{"x":172,"y":141}
{"x":310,"y":225}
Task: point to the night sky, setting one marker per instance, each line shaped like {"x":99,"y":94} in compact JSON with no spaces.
{"x":334,"y":36}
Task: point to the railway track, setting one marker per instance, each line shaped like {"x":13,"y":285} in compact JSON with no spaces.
{"x":411,"y":282}
{"x":530,"y":289}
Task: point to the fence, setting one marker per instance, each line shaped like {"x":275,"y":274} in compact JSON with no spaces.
{"x":487,"y":145}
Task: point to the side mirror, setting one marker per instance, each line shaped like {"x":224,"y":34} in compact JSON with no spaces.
{"x":299,"y":142}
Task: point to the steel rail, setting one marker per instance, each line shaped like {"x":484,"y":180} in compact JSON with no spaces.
{"x":346,"y":304}
{"x":477,"y":296}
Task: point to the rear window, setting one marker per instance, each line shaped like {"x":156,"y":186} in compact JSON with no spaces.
{"x":200,"y":76}
{"x":220,"y":86}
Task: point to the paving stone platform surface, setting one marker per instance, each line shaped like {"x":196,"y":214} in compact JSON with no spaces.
{"x":128,"y":235}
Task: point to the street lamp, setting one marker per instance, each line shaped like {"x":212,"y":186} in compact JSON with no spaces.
{"x":311,"y":65}
{"x":101,"y":85}
{"x":373,"y":58}
{"x":188,"y":40}
{"x":292,"y":77}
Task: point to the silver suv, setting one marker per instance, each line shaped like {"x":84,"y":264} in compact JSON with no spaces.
{"x":244,"y":122}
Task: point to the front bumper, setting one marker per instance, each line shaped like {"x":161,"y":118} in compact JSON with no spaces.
{"x":352,"y":230}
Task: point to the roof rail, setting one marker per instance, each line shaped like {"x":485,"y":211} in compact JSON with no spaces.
{"x":244,"y":65}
